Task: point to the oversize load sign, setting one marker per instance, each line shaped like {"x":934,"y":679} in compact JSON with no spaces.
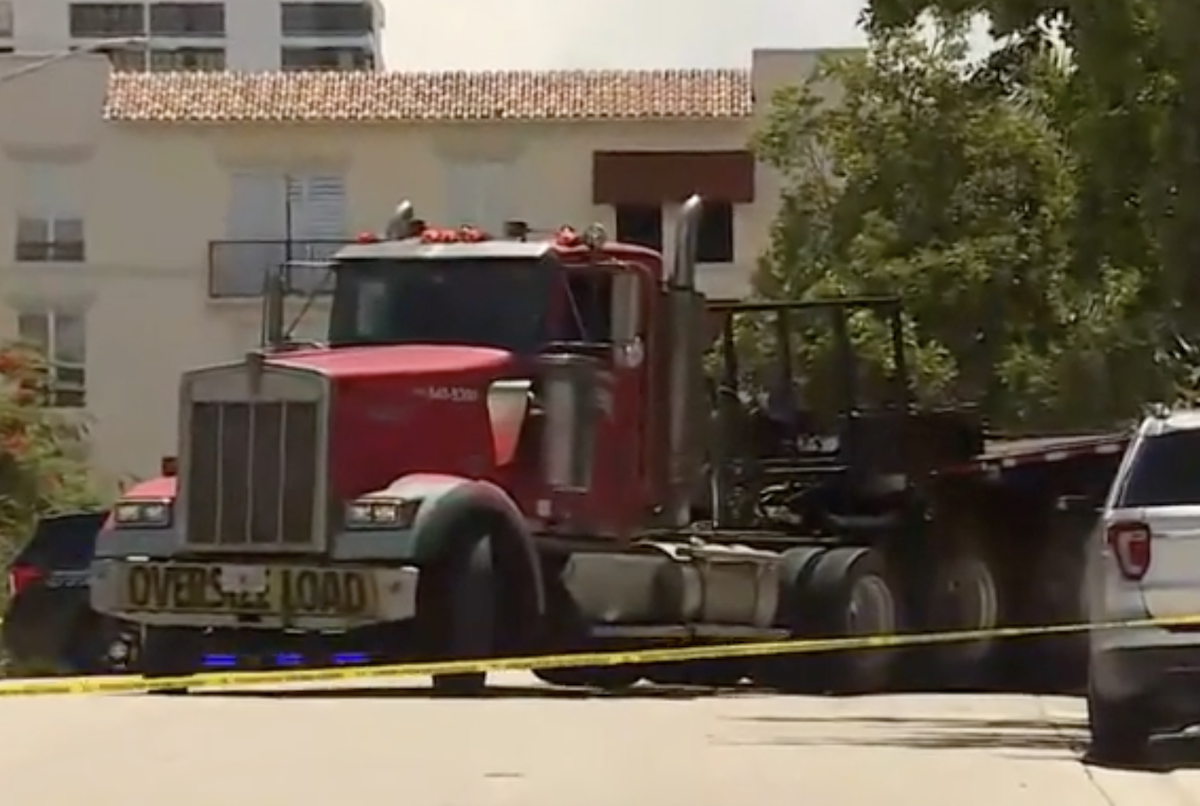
{"x":296,"y":591}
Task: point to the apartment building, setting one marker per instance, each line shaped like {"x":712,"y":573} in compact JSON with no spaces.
{"x":146,"y":209}
{"x":242,"y":35}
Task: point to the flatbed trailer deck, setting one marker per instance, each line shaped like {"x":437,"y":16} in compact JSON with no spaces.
{"x":1006,"y":453}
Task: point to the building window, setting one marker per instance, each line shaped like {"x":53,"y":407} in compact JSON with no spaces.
{"x":49,"y":225}
{"x":326,"y":19}
{"x":101,"y":20}
{"x":50,"y":240}
{"x":6,"y":20}
{"x":715,"y":241}
{"x":641,"y":224}
{"x":62,"y":338}
{"x":326,"y":59}
{"x":187,"y":19}
{"x":274,"y":219}
{"x":187,"y":59}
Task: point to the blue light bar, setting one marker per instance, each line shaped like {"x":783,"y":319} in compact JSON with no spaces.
{"x":219,"y":661}
{"x":289,"y":659}
{"x":346,"y":658}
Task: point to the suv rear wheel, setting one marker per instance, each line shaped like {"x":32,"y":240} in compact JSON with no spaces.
{"x":1120,"y":731}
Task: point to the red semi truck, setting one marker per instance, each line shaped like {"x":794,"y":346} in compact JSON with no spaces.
{"x":512,"y":445}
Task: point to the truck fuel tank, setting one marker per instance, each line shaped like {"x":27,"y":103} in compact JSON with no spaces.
{"x":676,"y":583}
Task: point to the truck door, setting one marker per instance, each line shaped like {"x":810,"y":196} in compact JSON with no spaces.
{"x":606,"y":313}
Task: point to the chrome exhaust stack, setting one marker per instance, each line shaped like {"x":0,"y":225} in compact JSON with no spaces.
{"x":274,"y":294}
{"x":684,"y":307}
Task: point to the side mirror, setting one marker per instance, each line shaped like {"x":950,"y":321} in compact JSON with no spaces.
{"x":626,"y":319}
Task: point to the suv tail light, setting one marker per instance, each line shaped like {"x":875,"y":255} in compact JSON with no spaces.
{"x":21,"y":577}
{"x":1130,"y":542}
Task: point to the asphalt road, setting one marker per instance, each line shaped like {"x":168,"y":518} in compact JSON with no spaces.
{"x":534,"y":746}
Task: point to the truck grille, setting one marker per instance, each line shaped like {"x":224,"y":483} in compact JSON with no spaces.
{"x":251,"y":479}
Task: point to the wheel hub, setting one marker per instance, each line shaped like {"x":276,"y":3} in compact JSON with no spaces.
{"x":872,"y":607}
{"x":972,"y":592}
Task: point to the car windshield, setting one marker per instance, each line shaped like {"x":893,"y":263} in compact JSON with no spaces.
{"x":1165,"y":472}
{"x":481,"y":302}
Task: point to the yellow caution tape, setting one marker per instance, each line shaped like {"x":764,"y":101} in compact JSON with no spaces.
{"x":751,"y":649}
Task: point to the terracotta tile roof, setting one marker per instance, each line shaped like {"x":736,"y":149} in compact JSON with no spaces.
{"x":198,"y":97}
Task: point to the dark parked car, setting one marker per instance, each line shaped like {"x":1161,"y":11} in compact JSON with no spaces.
{"x":49,"y":626}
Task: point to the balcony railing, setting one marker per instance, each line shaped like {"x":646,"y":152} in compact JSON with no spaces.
{"x":238,"y":269}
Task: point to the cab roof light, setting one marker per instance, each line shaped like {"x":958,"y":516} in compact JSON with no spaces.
{"x":464,"y":234}
{"x":568,"y":237}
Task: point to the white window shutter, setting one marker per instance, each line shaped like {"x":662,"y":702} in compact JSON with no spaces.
{"x":318,"y":207}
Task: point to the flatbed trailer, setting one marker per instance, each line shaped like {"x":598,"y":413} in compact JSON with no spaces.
{"x":1008,"y":453}
{"x":1025,"y":508}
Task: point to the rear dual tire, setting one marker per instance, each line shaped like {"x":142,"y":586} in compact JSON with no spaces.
{"x":833,"y":594}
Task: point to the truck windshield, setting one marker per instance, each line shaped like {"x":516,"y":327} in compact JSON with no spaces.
{"x":497,"y":303}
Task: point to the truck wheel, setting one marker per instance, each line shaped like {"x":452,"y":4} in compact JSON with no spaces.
{"x":455,"y":611}
{"x":168,"y":652}
{"x":791,"y":673}
{"x":851,"y":595}
{"x":717,"y":673}
{"x":1120,"y":731}
{"x":1057,"y":662}
{"x":566,"y":678}
{"x":607,"y":678}
{"x":965,"y":595}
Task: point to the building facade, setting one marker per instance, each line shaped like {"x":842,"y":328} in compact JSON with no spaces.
{"x":147,"y":208}
{"x":244,"y":35}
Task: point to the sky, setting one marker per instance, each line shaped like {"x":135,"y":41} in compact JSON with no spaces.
{"x":608,"y":34}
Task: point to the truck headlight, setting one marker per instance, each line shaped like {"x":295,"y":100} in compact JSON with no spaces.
{"x":381,"y":513}
{"x":148,"y":514}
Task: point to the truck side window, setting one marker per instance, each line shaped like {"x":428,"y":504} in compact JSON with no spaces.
{"x":589,"y":311}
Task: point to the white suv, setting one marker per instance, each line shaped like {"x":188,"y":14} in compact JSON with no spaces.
{"x":1145,"y":564}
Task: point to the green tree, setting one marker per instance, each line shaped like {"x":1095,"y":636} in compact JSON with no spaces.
{"x":950,"y":184}
{"x":43,"y":454}
{"x":1131,"y":119}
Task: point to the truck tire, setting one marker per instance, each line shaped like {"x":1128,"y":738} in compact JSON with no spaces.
{"x":455,"y":616}
{"x":791,"y":673}
{"x":1120,"y":731}
{"x":1057,"y":663}
{"x":168,"y":652}
{"x":717,"y":673}
{"x":605,"y":678}
{"x":965,"y":595}
{"x":851,"y":594}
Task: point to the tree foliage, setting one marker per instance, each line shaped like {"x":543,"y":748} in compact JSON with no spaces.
{"x":1130,"y":114}
{"x":987,"y":195}
{"x":43,"y":454}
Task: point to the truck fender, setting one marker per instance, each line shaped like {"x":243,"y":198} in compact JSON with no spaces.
{"x":448,"y":501}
